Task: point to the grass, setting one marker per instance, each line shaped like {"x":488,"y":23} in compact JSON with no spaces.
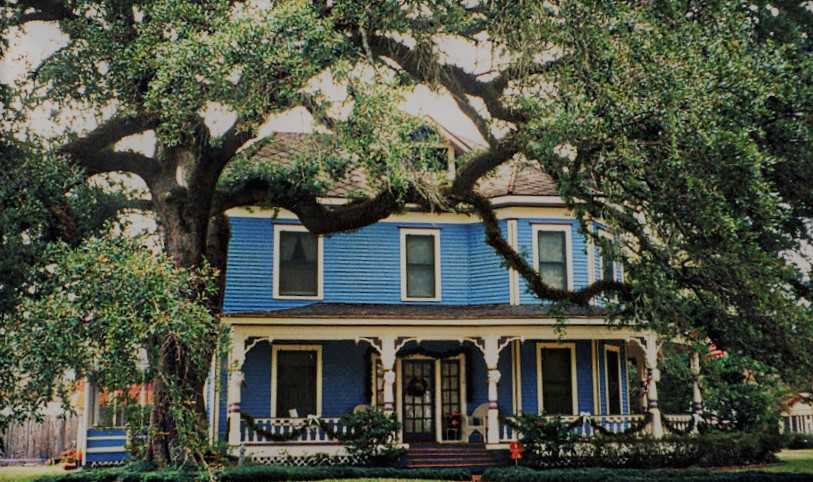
{"x":798,"y":461}
{"x":27,"y":473}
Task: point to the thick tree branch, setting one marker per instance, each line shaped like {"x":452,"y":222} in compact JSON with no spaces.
{"x":459,"y":82}
{"x":477,"y":167}
{"x":495,"y":239}
{"x":38,"y":10}
{"x":94,"y":151}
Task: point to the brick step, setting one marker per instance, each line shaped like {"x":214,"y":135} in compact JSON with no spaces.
{"x":453,"y":465}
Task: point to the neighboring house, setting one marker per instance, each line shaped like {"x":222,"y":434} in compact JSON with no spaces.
{"x":417,"y":315}
{"x":798,"y":414}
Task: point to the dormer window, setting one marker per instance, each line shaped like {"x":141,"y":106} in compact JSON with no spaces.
{"x":420,"y":265}
{"x":552,"y":255}
{"x":297,"y":263}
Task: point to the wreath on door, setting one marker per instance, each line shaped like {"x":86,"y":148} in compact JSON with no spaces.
{"x":416,"y":387}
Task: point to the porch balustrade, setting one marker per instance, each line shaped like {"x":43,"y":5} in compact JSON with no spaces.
{"x":679,"y":422}
{"x":611,"y":423}
{"x":286,"y":427}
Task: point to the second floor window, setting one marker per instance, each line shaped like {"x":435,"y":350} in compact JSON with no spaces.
{"x":552,"y":258}
{"x":607,"y":268}
{"x":297,"y":263}
{"x":420,"y":279}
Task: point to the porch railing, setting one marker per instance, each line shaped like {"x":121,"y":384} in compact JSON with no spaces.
{"x":681,"y":423}
{"x":798,"y":423}
{"x":292,"y":430}
{"x":610,"y":423}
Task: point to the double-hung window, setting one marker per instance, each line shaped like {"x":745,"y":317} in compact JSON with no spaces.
{"x":556,"y":367}
{"x":552,"y":254}
{"x":297,"y":263}
{"x":420,"y":265}
{"x":297,"y":381}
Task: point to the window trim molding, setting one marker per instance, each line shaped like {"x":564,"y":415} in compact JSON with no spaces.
{"x":320,"y":268}
{"x":555,"y":227}
{"x":539,"y":375}
{"x":617,"y":349}
{"x":275,"y":349}
{"x":438,"y":271}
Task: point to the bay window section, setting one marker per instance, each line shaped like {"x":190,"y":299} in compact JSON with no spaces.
{"x":551,"y":255}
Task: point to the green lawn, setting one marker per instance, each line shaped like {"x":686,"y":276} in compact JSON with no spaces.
{"x":28,"y":473}
{"x":800,"y":461}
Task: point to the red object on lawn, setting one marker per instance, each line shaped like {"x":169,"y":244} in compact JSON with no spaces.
{"x":516,"y":450}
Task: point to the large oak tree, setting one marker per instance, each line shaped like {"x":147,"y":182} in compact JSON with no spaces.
{"x":684,"y":127}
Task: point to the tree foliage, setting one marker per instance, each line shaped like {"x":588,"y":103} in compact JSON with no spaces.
{"x":93,"y":309}
{"x":684,"y":127}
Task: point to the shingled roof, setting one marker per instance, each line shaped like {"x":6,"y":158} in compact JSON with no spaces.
{"x":368,"y":311}
{"x":517,"y":177}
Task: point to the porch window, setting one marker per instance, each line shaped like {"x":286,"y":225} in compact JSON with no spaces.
{"x":557,"y":379}
{"x":612,"y":360}
{"x":420,"y":253}
{"x":297,"y":257}
{"x":551,"y":254}
{"x":296,"y":381}
{"x":607,"y":268}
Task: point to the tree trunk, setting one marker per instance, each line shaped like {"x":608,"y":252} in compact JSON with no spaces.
{"x":183,"y":216}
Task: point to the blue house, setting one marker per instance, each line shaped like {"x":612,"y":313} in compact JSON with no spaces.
{"x":416,"y":315}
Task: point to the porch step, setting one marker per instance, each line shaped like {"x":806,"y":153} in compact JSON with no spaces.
{"x":463,"y":456}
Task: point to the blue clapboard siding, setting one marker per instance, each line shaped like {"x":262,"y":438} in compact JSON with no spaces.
{"x":106,"y":439}
{"x":359,"y":267}
{"x":488,"y":281}
{"x":584,"y":376}
{"x":526,"y":246}
{"x":222,"y":417}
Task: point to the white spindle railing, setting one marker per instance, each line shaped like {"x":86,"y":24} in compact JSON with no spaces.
{"x":679,"y":422}
{"x":611,"y":423}
{"x":312,"y":432}
{"x":798,"y":423}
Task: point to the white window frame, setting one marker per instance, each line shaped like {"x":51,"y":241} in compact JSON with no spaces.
{"x":617,"y":350}
{"x":320,"y":268}
{"x":565,"y":228}
{"x":539,"y":375}
{"x":275,"y":349}
{"x":438,"y":271}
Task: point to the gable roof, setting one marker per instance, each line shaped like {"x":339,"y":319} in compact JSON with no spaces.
{"x":518,"y":177}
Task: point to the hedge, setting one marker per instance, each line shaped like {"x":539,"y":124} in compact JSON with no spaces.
{"x":524,"y":474}
{"x":799,"y":441}
{"x":704,"y":450}
{"x":259,"y":473}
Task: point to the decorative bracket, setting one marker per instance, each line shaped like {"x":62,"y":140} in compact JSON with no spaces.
{"x":374,"y":342}
{"x":254,"y":340}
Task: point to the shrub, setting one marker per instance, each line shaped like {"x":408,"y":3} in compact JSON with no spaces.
{"x":259,"y":473}
{"x":797,"y":441}
{"x":372,"y":437}
{"x":525,"y":474}
{"x":554,"y":444}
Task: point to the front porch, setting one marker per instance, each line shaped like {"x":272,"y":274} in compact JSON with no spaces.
{"x":451,"y":385}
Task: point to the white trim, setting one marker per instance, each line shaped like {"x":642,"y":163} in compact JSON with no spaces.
{"x":539,"y":375}
{"x":617,"y":349}
{"x":401,"y":322}
{"x":320,"y":263}
{"x":512,"y":200}
{"x":547,"y":211}
{"x":564,"y":228}
{"x":276,"y":349}
{"x":595,"y":377}
{"x":106,"y":450}
{"x":513,"y":275}
{"x":108,"y":437}
{"x":516,"y":358}
{"x":421,"y":232}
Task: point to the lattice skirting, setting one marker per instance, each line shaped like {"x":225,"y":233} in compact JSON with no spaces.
{"x":305,"y":460}
{"x":106,"y":463}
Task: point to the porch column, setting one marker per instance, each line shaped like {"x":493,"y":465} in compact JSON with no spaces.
{"x":492,"y":355}
{"x":388,"y":365}
{"x":697,"y":395}
{"x":653,"y":377}
{"x":233,"y":395}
